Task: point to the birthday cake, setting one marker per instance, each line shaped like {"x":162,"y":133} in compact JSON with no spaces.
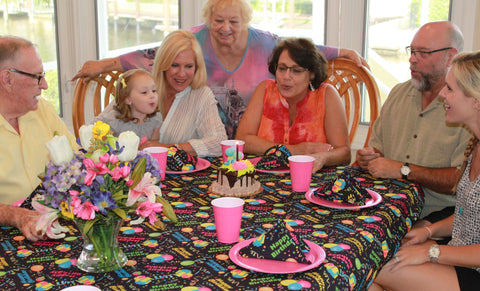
{"x":237,"y":180}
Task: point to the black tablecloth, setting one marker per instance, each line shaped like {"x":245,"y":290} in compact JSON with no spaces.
{"x":188,"y":257}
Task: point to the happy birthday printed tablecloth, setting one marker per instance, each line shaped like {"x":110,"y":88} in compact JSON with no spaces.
{"x":186,"y":256}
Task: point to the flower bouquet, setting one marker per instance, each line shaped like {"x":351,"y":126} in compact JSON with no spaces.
{"x":99,"y":187}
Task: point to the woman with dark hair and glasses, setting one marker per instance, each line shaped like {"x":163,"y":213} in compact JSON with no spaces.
{"x":297,"y":109}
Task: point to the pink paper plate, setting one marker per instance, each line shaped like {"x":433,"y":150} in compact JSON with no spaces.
{"x":374,"y":200}
{"x":254,"y":161}
{"x":273,"y":266}
{"x":202,"y":164}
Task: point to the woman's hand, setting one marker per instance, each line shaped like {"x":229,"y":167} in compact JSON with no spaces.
{"x":354,"y":56}
{"x":92,"y":69}
{"x":409,"y":255}
{"x":307,"y":148}
{"x":416,"y":236}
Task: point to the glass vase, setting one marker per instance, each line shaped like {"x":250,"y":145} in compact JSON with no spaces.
{"x":101,"y":252}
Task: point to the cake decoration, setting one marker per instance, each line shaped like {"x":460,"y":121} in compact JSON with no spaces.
{"x":278,"y":243}
{"x":180,"y":160}
{"x":275,"y":158}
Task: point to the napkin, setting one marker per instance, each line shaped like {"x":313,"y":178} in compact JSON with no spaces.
{"x":278,"y":243}
{"x":345,"y":189}
{"x":180,"y":160}
{"x":275,"y":158}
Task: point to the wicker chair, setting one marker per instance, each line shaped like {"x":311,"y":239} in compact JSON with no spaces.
{"x":98,"y":91}
{"x":350,"y":80}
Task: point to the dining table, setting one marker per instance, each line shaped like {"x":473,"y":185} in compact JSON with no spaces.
{"x":356,"y":241}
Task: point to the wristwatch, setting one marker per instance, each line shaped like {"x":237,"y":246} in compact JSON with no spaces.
{"x":434,"y":253}
{"x":405,"y":171}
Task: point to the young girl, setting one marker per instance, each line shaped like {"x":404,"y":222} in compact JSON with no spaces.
{"x":421,"y":264}
{"x":136,"y":106}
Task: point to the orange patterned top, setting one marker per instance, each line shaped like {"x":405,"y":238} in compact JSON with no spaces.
{"x":309,"y":122}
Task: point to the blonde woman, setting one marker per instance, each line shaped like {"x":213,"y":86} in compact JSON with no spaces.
{"x":421,"y":264}
{"x":188,"y":106}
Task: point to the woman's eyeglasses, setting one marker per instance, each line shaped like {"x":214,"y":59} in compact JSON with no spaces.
{"x":39,"y":77}
{"x":295,"y":70}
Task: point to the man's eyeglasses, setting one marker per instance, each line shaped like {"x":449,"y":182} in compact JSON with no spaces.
{"x":423,"y":54}
{"x":39,"y":77}
{"x":295,"y":70}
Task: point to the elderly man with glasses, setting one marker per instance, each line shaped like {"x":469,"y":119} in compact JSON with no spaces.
{"x":27,"y":122}
{"x":411,"y":139}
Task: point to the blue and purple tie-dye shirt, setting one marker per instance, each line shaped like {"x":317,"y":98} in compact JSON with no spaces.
{"x":232,"y":89}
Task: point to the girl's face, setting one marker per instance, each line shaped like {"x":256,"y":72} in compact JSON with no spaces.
{"x":143,"y":98}
{"x":459,"y":108}
{"x":180,"y":74}
{"x":227,"y":26}
{"x":292,"y":80}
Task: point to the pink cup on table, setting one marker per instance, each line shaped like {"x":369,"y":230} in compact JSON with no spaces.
{"x":301,"y":172}
{"x":228,"y":218}
{"x":159,"y":153}
{"x":232,"y":149}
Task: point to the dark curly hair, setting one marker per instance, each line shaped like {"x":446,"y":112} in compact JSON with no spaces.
{"x":304,"y":52}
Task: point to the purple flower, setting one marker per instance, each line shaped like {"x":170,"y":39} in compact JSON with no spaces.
{"x":104,"y":201}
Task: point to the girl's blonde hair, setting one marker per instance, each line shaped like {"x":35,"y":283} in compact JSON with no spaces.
{"x":466,"y":70}
{"x":123,"y":89}
{"x":211,"y":5}
{"x":176,"y":42}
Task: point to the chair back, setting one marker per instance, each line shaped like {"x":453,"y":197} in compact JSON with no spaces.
{"x":349,"y":80}
{"x":96,"y":92}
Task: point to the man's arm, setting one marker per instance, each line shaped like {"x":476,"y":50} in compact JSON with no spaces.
{"x":440,"y":180}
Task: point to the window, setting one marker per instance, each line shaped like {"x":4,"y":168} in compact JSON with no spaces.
{"x":126,"y":25}
{"x":391,"y":27}
{"x":35,"y":21}
{"x":304,"y":18}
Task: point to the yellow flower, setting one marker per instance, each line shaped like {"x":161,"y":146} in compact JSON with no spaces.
{"x":67,"y":211}
{"x":100,"y":130}
{"x":124,"y":83}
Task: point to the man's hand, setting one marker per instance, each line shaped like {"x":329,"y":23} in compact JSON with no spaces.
{"x":365,"y":155}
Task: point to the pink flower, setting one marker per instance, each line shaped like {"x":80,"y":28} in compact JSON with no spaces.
{"x":104,"y":158}
{"x":94,"y":169}
{"x":113,"y":159}
{"x":150,"y":210}
{"x":145,"y":189}
{"x":118,"y":173}
{"x":47,"y":222}
{"x":84,"y":211}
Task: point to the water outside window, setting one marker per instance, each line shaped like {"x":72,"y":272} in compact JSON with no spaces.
{"x":134,"y":24}
{"x":300,"y":18}
{"x":35,"y":21}
{"x":391,"y":27}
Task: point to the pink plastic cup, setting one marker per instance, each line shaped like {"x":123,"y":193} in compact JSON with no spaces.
{"x":301,"y":172}
{"x":228,"y":218}
{"x":229,"y":149}
{"x":159,"y":153}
